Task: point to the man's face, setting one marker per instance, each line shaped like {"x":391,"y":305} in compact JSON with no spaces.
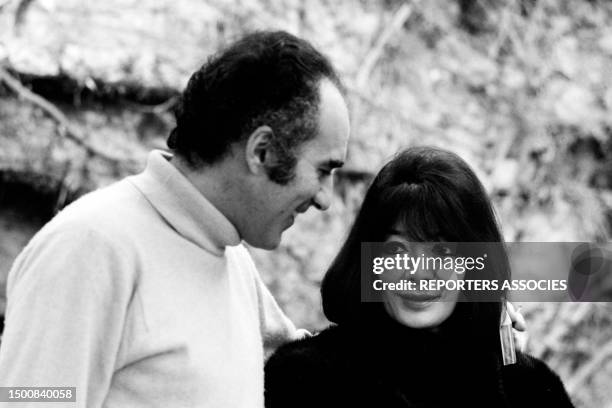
{"x":275,"y":206}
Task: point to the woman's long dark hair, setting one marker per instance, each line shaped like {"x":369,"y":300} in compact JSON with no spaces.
{"x":436,"y":196}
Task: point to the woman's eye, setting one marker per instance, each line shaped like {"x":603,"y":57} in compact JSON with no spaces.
{"x":394,"y":247}
{"x":443,"y":250}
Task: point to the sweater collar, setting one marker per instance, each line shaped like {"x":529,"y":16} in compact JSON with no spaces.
{"x":182,"y":206}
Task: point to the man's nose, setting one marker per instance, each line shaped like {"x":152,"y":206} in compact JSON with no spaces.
{"x":322,"y":200}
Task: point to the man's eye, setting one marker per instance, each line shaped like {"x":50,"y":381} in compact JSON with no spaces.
{"x":325,"y":172}
{"x":394,"y":247}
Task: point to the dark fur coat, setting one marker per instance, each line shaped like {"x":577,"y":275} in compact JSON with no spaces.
{"x":393,"y":366}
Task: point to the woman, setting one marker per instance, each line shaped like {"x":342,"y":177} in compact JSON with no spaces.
{"x":412,"y":349}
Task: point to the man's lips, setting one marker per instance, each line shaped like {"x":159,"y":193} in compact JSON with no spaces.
{"x":300,"y":210}
{"x":290,"y":220}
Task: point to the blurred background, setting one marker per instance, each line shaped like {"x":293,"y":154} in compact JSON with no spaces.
{"x":521,"y":89}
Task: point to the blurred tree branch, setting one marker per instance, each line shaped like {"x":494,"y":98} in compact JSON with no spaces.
{"x":588,"y":369}
{"x":396,"y":23}
{"x":161,"y":108}
{"x":4,"y":3}
{"x":66,"y":128}
{"x":20,"y":13}
{"x":400,"y":116}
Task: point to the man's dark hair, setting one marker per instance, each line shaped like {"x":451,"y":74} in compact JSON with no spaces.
{"x":265,"y":78}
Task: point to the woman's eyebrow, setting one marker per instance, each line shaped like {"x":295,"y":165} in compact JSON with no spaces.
{"x":393,"y":231}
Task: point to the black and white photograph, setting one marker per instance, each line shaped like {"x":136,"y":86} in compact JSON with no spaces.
{"x":306,"y":203}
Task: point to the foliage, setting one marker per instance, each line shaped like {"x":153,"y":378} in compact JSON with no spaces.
{"x":522,"y":90}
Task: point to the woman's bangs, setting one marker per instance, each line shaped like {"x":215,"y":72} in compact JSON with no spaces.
{"x":404,"y":208}
{"x":420,"y":223}
{"x":422,"y":213}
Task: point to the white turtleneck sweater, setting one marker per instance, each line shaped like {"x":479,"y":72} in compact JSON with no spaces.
{"x":141,"y":295}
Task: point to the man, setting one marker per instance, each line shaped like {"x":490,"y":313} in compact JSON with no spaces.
{"x":141,"y":294}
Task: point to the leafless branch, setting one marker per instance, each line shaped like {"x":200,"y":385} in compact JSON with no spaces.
{"x":21,"y":11}
{"x":160,"y":108}
{"x":398,"y":20}
{"x":67,"y":128}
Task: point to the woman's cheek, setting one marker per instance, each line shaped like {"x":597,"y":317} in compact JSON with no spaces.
{"x":393,"y":275}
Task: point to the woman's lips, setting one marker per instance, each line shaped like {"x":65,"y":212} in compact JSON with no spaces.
{"x":418,"y":301}
{"x":420,"y":296}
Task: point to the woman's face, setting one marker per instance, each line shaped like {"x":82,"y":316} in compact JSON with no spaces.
{"x":425,"y":307}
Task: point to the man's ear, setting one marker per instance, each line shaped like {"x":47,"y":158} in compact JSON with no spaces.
{"x":258,"y":149}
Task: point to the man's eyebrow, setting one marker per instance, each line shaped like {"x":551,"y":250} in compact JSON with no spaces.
{"x":333,"y":163}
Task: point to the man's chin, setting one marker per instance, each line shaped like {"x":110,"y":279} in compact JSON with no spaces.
{"x":267,"y":243}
